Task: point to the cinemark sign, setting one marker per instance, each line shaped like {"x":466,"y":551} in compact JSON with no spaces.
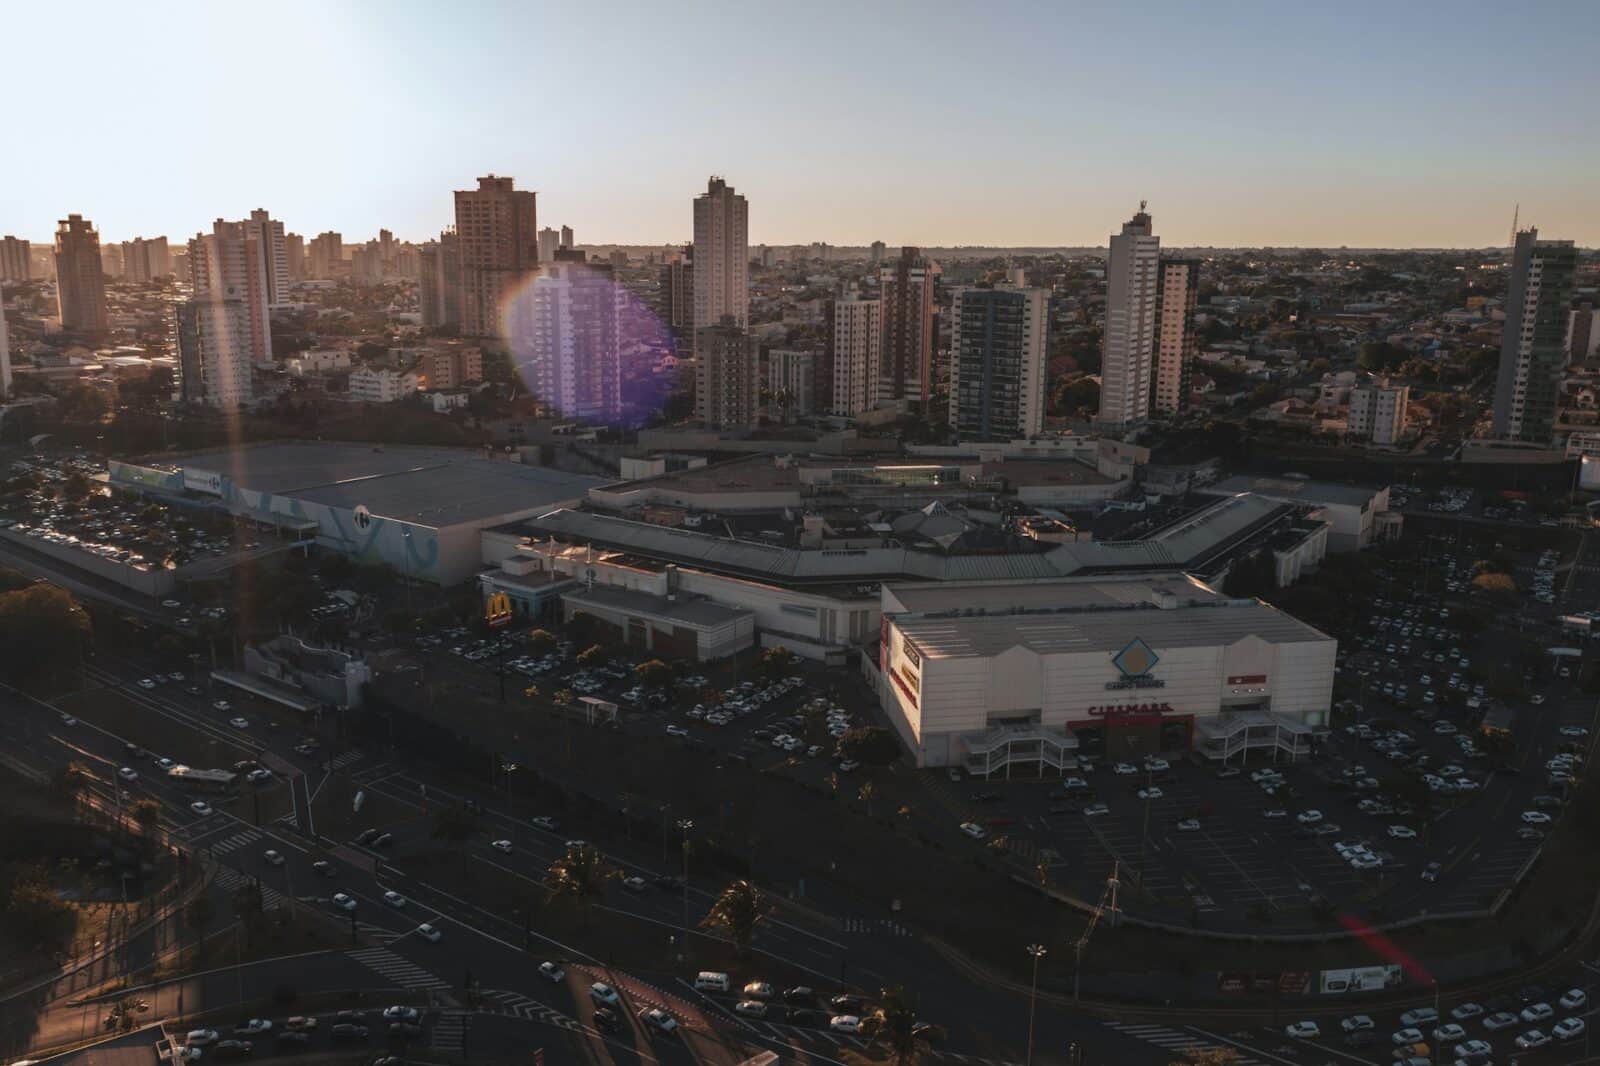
{"x":1118,"y":710}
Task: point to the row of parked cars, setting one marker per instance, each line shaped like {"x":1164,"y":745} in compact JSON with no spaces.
{"x":1421,"y":1024}
{"x":800,"y":1005}
{"x":295,"y":1033}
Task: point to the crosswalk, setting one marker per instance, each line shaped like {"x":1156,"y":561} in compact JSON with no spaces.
{"x":233,"y":880}
{"x":387,"y":964}
{"x":238,"y":840}
{"x":1175,"y":1040}
{"x":450,"y":1031}
{"x":339,"y":762}
{"x":505,"y":1001}
{"x":211,"y":823}
{"x":875,"y":925}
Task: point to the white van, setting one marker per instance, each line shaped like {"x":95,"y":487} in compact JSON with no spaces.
{"x":710,"y":981}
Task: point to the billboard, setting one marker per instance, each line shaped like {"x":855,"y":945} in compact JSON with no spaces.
{"x":206,"y":481}
{"x":1360,"y":979}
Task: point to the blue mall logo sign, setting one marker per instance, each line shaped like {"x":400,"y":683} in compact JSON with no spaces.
{"x":1134,"y":662}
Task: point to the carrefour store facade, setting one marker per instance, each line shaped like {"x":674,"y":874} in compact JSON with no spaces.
{"x":990,"y":676}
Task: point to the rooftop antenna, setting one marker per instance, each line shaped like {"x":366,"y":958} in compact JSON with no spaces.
{"x":1141,"y":205}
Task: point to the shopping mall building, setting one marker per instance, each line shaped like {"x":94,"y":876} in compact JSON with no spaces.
{"x":992,"y":675}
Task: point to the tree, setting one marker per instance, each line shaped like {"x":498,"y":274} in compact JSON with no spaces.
{"x":869,"y":745}
{"x":776,"y":662}
{"x":1208,"y":1056}
{"x":580,"y":875}
{"x":892,"y":1023}
{"x":593,"y":655}
{"x":147,"y":816}
{"x":43,"y":629}
{"x":455,"y":824}
{"x":541,"y":641}
{"x":124,"y":1014}
{"x":654,"y":673}
{"x":737,"y":912}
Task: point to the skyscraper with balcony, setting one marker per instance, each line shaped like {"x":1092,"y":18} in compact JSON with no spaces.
{"x":145,"y":259}
{"x":15,"y":254}
{"x":325,"y":255}
{"x":214,"y":351}
{"x":905,"y":288}
{"x":1177,"y":295}
{"x":80,"y":283}
{"x":852,"y":356}
{"x":274,"y":247}
{"x":234,"y":262}
{"x":1132,"y":285}
{"x":727,"y":375}
{"x":721,"y":257}
{"x":440,"y":265}
{"x":497,"y":238}
{"x":565,"y":337}
{"x":1533,"y":348}
{"x":997,"y":362}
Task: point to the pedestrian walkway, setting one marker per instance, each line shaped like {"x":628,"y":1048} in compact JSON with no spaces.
{"x":875,"y":925}
{"x":349,"y":758}
{"x":450,"y":1031}
{"x":387,"y":964}
{"x":517,"y":1005}
{"x":232,"y":880}
{"x":238,"y":840}
{"x":1176,"y":1040}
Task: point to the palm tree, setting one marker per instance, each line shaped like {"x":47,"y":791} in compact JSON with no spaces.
{"x":737,"y":912}
{"x":868,"y":791}
{"x":581,"y":875}
{"x":123,"y":1015}
{"x":892,"y":1022}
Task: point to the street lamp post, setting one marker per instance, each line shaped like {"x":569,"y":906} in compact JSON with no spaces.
{"x":1038,"y":952}
{"x":684,"y":826}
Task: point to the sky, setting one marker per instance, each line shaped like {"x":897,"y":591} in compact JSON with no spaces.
{"x":1398,"y":124}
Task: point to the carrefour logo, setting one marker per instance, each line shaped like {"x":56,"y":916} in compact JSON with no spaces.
{"x":1134,"y":662}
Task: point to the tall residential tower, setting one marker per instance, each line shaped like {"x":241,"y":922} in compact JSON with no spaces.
{"x":1533,"y":346}
{"x":497,"y":238}
{"x":906,"y":290}
{"x":80,"y":284}
{"x":998,"y":338}
{"x":1132,"y":282}
{"x":721,"y":257}
{"x":1177,"y":294}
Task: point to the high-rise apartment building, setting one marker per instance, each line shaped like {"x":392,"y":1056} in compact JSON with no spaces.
{"x":791,"y":378}
{"x":727,"y":375}
{"x":852,"y":356}
{"x":567,"y":240}
{"x":721,"y":257}
{"x":294,"y":250}
{"x":1533,"y":348}
{"x":1132,"y":283}
{"x":80,"y":281}
{"x":274,"y":247}
{"x":497,"y":240}
{"x":440,"y":267}
{"x":549,"y":242}
{"x":906,"y":289}
{"x":111,"y":260}
{"x":1583,"y":333}
{"x":1177,"y":295}
{"x":452,"y":366}
{"x":677,"y":294}
{"x":997,"y":362}
{"x":366,"y":264}
{"x":878,"y":251}
{"x":214,"y":351}
{"x":565,"y":336}
{"x":15,"y":254}
{"x":233,"y":262}
{"x":325,"y":256}
{"x":5,"y":353}
{"x":1378,"y":412}
{"x":146,"y":259}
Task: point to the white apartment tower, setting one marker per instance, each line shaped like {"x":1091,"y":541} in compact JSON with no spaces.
{"x":853,"y":355}
{"x":1177,"y":294}
{"x":214,"y":342}
{"x":275,"y":251}
{"x":721,"y":257}
{"x":1132,"y":282}
{"x":565,"y":336}
{"x":233,"y":262}
{"x":1533,"y":344}
{"x":1378,"y":412}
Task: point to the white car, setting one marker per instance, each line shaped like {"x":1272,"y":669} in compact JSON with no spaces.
{"x":1537,"y":1012}
{"x":222,"y":705}
{"x":974,"y":830}
{"x":501,"y":845}
{"x":677,"y":731}
{"x":146,"y":683}
{"x":239,"y":723}
{"x":544,"y":822}
{"x":200,"y":1037}
{"x":552,"y":973}
{"x":252,"y":1027}
{"x":68,"y":719}
{"x":1311,"y":817}
{"x":659,"y":1020}
{"x":1466,"y":1011}
{"x":1151,"y":793}
{"x":1569,"y":1028}
{"x":400,"y":1013}
{"x":1357,"y":1023}
{"x":1122,"y":769}
{"x":1303,"y":1031}
{"x":1402,"y":832}
{"x":1408,"y":1035}
{"x":394,"y":899}
{"x":274,"y":858}
{"x":259,"y":776}
{"x":1095,"y":810}
{"x":1573,"y":999}
{"x":1499,"y":1020}
{"x":603,"y":993}
{"x":1535,"y":818}
{"x":844,"y":1023}
{"x":200,"y":807}
{"x":1531,"y":1039}
{"x":344,"y":902}
{"x":752,"y":1008}
{"x":1274,"y":812}
{"x":1188,"y":825}
{"x":128,"y":773}
{"x":429,"y":933}
{"x":1449,"y":1032}
{"x":1574,"y":731}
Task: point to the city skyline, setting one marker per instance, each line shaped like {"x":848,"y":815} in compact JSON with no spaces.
{"x":1253,"y":127}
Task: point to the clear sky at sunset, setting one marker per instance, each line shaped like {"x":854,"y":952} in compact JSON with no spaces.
{"x":1396,"y":123}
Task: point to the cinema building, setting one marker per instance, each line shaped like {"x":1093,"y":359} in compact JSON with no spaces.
{"x":994,"y":675}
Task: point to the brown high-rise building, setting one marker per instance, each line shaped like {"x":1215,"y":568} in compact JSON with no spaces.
{"x":294,"y":250}
{"x":325,"y":256}
{"x":906,"y":291}
{"x":677,"y":294}
{"x":80,"y":284}
{"x":497,"y":241}
{"x":727,"y":375}
{"x":15,"y":254}
{"x":439,"y":264}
